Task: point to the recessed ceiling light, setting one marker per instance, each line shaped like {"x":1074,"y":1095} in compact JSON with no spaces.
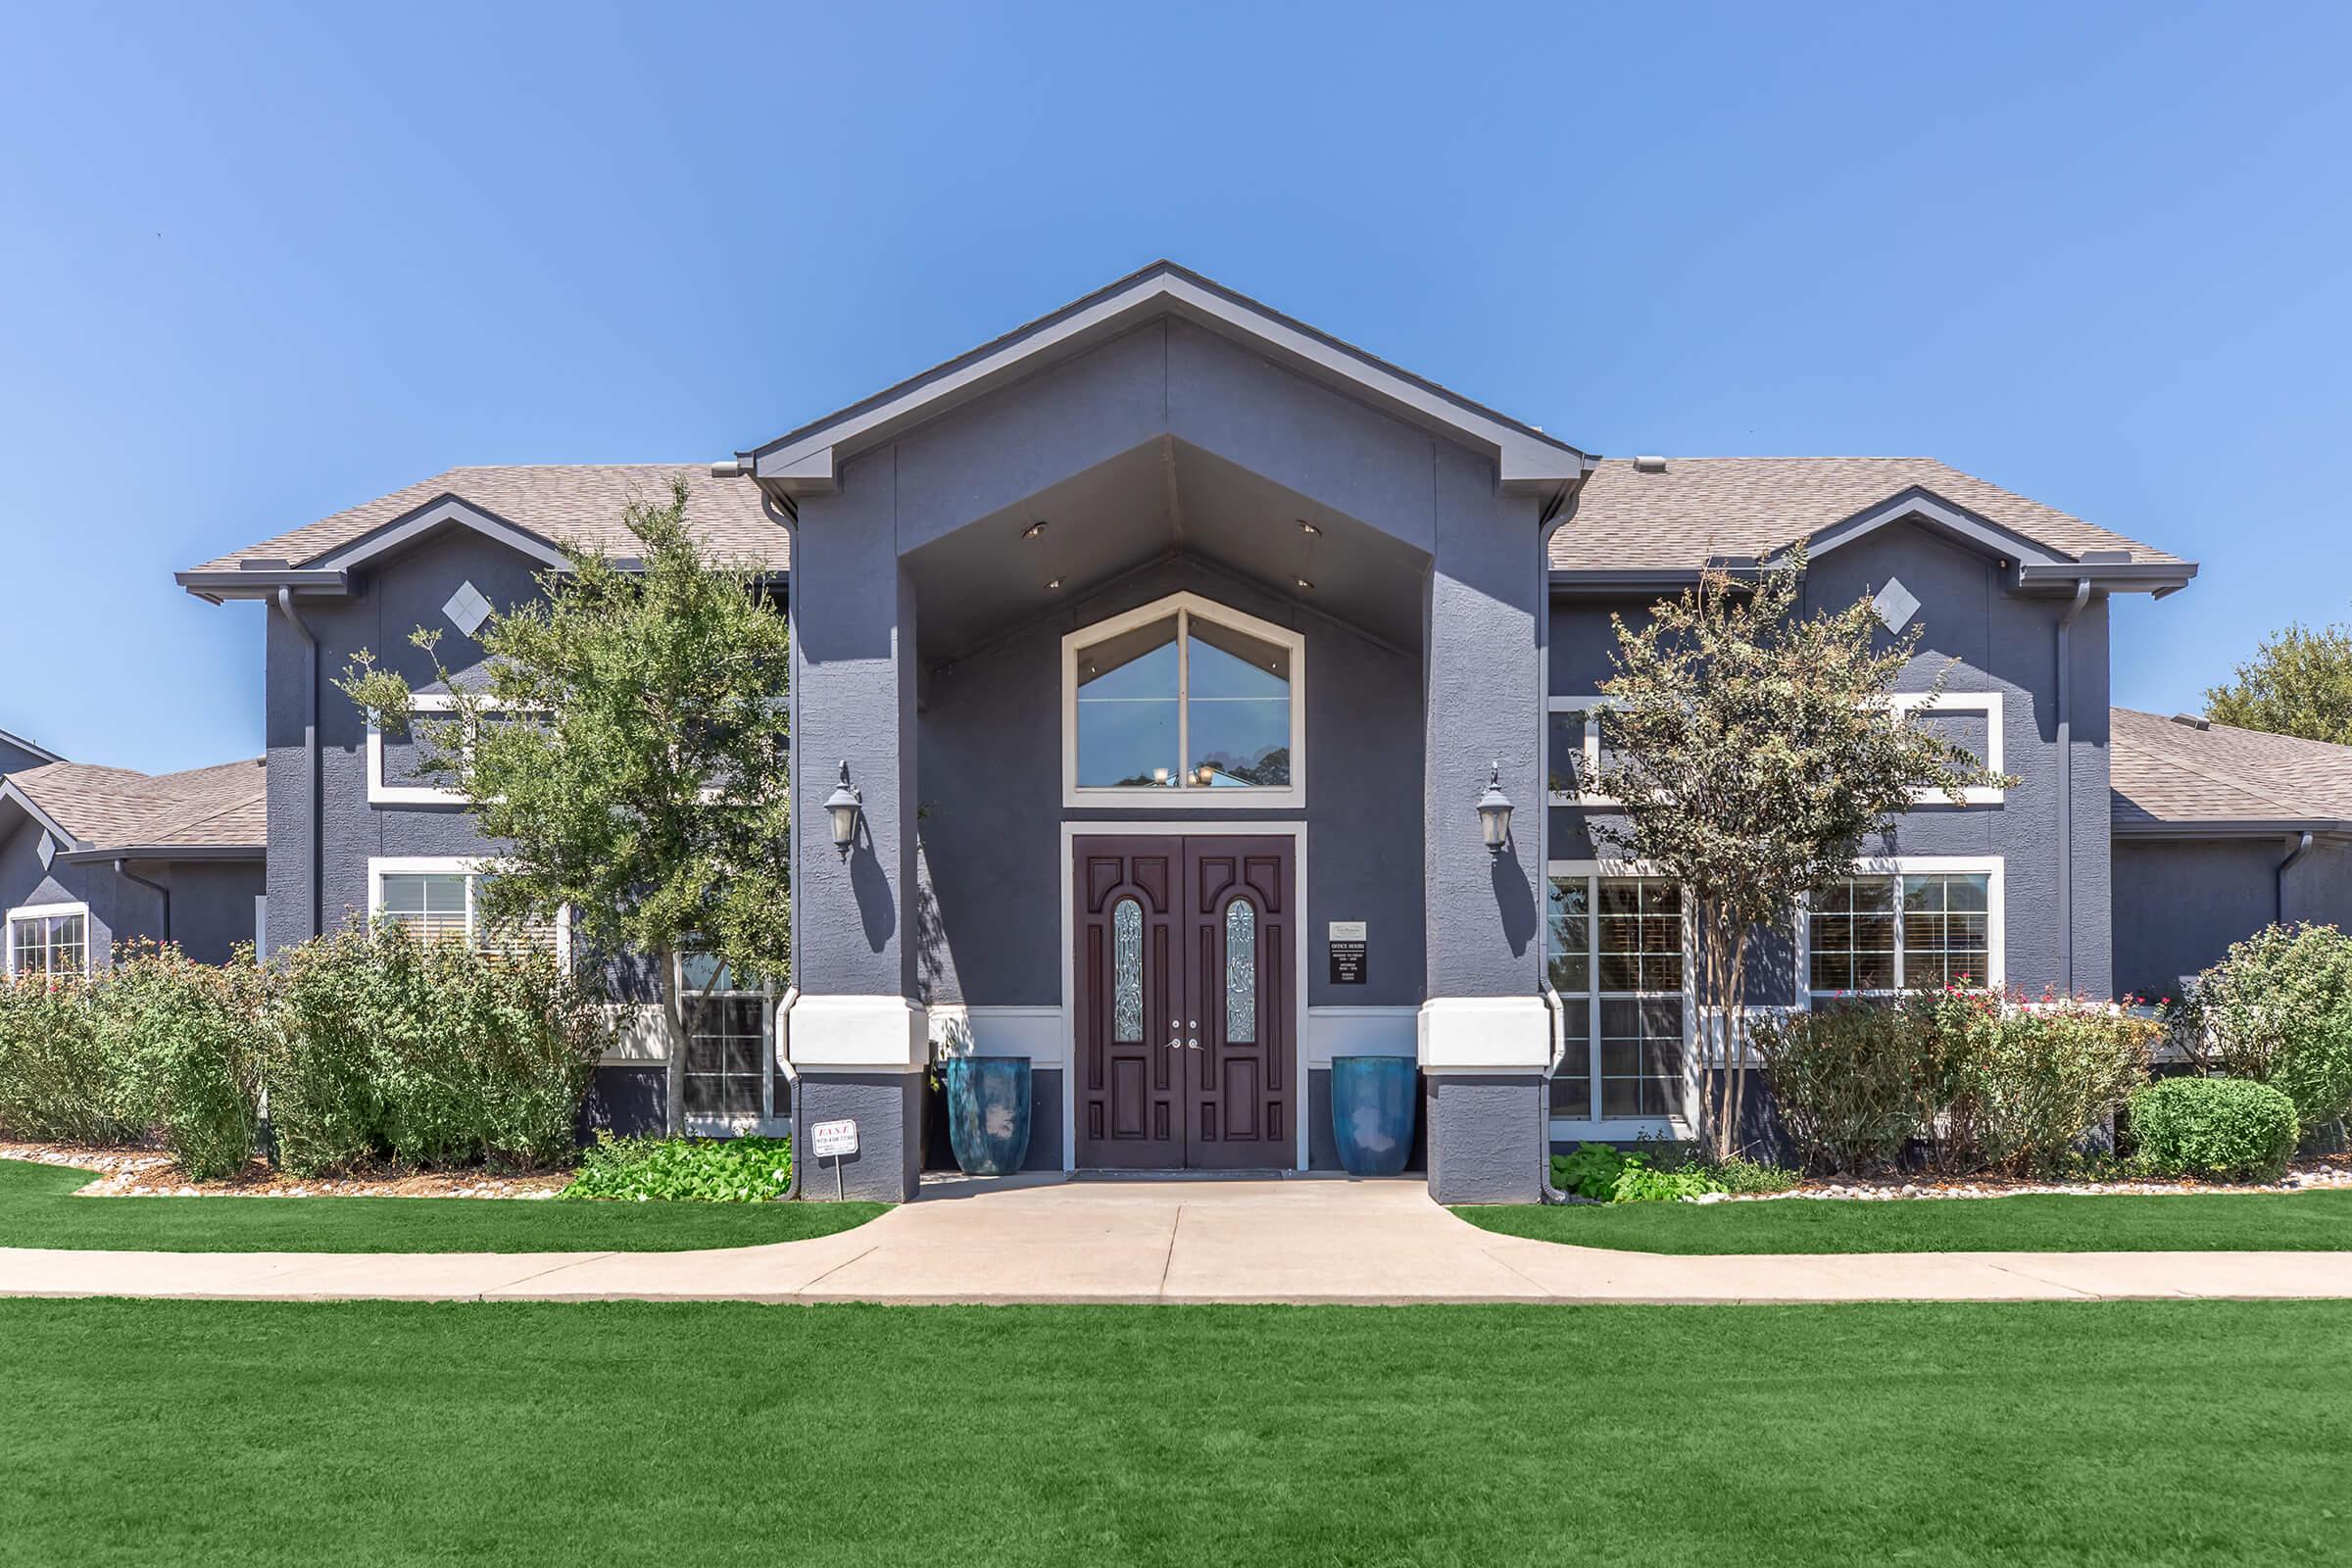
{"x":1034,"y":529}
{"x":1305,"y":527}
{"x":1053,"y":582}
{"x":1302,"y":582}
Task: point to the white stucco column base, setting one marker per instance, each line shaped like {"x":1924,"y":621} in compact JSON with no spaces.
{"x":1485,"y":1033}
{"x":856,"y":1034}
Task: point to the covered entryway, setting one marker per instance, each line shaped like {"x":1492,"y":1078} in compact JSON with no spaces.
{"x":1251,"y":616}
{"x":1187,"y":994}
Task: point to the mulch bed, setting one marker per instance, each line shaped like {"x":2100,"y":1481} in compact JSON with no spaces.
{"x":150,"y":1173}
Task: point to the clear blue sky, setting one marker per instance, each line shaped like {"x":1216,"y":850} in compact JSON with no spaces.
{"x":260,"y":268}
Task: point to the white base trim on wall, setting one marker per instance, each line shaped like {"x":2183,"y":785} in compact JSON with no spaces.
{"x":868,"y":1034}
{"x":1352,"y":1031}
{"x":1485,"y":1033}
{"x":1039,"y":1033}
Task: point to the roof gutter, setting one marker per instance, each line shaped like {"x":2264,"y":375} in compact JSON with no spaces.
{"x":165,"y":851}
{"x":2065,"y":786}
{"x":2279,"y":878}
{"x":311,"y":794}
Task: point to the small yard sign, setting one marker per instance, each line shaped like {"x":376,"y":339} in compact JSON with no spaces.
{"x":829,"y":1140}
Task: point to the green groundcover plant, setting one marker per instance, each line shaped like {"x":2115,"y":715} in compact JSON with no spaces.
{"x":2232,"y":1128}
{"x":733,"y":1170}
{"x":1661,"y":1173}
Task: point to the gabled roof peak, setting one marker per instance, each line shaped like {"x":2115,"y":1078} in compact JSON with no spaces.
{"x":810,"y":458}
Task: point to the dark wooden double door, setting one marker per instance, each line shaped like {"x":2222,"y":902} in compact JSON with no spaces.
{"x":1185,"y":999}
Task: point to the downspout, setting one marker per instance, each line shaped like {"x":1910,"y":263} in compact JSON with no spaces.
{"x":164,"y":894}
{"x":2278,"y":877}
{"x":2066,"y":788}
{"x":309,"y":760}
{"x":792,"y":1079}
{"x":1562,"y":509}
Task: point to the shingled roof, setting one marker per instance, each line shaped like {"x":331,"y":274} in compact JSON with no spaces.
{"x":2168,"y":773}
{"x":560,"y":504}
{"x":222,"y":807}
{"x":1677,"y":518}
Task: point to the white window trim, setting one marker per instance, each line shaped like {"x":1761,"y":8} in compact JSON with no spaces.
{"x":43,"y":912}
{"x":1592,"y":746}
{"x":1987,"y":703}
{"x":381,"y":866}
{"x":1623,"y":1129}
{"x":1250,"y":798}
{"x":1993,"y":868}
{"x":380,"y":793}
{"x":766,"y":1122}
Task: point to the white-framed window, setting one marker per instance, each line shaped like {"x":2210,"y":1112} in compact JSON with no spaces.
{"x":1970,"y":720}
{"x":1183,"y":701}
{"x":730,"y":1083}
{"x":399,"y":753}
{"x":1618,"y":951}
{"x":49,"y":939}
{"x":1576,"y":748}
{"x":1903,"y":923}
{"x":439,"y":897}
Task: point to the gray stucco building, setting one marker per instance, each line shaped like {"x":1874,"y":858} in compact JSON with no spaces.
{"x":91,"y":856}
{"x":1170,"y":645}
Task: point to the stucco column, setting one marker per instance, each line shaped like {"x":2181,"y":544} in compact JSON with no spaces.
{"x":856,"y":1035}
{"x":1485,"y":1033}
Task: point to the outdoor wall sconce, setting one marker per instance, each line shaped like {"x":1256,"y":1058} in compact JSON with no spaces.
{"x":843,"y":806}
{"x":1494,"y":813}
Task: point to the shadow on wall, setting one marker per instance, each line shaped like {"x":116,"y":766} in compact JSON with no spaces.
{"x":1514,"y":899}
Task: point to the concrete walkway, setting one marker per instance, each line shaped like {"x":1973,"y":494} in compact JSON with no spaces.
{"x":1373,"y":1242}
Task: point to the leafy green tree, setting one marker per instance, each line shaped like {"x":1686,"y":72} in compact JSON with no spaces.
{"x":626,"y":739}
{"x":1754,"y":749}
{"x":2299,"y":682}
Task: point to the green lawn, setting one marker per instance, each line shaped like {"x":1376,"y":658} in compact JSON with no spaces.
{"x":36,"y":1210}
{"x":2118,"y":1222}
{"x":2128,"y":1432}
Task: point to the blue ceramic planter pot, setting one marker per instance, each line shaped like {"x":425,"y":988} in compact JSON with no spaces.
{"x":1372,"y":1108}
{"x":988,"y":1113}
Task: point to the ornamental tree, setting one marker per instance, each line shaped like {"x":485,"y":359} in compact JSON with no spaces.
{"x":1754,"y":749}
{"x":625,"y":740}
{"x":2299,"y":682}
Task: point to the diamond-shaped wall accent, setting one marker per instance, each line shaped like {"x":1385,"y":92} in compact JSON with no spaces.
{"x":467,"y":608}
{"x":1895,"y":605}
{"x":47,"y":850}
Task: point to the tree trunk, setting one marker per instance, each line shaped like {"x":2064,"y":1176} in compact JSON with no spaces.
{"x":674,"y":1027}
{"x":1735,"y":1055}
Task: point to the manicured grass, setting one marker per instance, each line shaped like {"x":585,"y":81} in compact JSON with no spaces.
{"x":35,"y":1211}
{"x":2128,"y":1432}
{"x":2106,"y":1222}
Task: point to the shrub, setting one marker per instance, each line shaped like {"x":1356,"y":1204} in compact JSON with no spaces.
{"x":184,"y":1040}
{"x":2226,"y":1127}
{"x":1983,"y":1082}
{"x":431,"y":1053}
{"x":730,"y":1170}
{"x":1640,"y":1182}
{"x":56,"y":1081}
{"x":2031,"y":1080}
{"x":1737,"y":1175}
{"x":2277,"y":1009}
{"x":1856,"y":1083}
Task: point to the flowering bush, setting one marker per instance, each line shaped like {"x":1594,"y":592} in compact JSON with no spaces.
{"x":1982,"y":1081}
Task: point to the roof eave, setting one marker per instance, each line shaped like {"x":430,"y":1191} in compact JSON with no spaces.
{"x":2236,"y":827}
{"x":218,"y":587}
{"x":808,"y":460}
{"x":165,"y":851}
{"x":2155,"y":577}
